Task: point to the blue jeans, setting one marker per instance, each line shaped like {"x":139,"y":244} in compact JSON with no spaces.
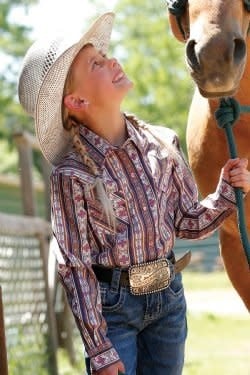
{"x":148,"y":331}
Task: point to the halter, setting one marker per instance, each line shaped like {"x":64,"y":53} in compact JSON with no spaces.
{"x":178,"y":7}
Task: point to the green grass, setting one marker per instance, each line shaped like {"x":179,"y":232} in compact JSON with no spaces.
{"x":205,"y":281}
{"x":217,"y":345}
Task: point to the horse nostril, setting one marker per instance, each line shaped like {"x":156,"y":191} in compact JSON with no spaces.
{"x":239,"y":50}
{"x":191,"y":57}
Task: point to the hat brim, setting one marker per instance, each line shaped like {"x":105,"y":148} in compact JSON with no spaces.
{"x":54,"y":140}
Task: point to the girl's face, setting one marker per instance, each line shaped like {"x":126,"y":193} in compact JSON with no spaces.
{"x":97,"y":79}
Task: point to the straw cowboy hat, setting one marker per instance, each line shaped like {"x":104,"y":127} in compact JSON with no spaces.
{"x":42,"y":80}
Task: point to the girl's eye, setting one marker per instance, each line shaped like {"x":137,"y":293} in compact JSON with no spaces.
{"x":96,"y":63}
{"x":100,"y":61}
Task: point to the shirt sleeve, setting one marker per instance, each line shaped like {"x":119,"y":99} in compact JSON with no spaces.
{"x":69,"y":221}
{"x":198,"y":219}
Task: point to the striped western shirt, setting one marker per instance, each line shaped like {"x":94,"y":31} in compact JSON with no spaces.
{"x":155,"y":200}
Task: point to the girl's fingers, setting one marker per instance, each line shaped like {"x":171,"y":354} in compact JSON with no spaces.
{"x":244,"y":162}
{"x":239,"y":167}
{"x":230,"y":164}
{"x":236,"y":173}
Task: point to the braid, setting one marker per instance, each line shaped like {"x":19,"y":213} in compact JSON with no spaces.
{"x":87,"y":160}
{"x":81,"y":149}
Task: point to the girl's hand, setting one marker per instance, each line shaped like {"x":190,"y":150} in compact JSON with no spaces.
{"x":112,"y":369}
{"x":235,"y":172}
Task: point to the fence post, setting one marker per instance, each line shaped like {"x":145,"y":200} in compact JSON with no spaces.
{"x":3,"y":351}
{"x":51,"y":318}
{"x":25,"y":163}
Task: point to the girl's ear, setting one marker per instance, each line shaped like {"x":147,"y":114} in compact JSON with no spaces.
{"x":74,"y":103}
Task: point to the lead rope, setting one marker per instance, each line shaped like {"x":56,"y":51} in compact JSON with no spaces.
{"x":226,"y":115}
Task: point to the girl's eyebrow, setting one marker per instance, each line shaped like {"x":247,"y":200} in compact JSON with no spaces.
{"x":91,"y":59}
{"x":95,"y":56}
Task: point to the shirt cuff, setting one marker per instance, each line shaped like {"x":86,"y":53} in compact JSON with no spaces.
{"x":104,"y":359}
{"x":226,"y":191}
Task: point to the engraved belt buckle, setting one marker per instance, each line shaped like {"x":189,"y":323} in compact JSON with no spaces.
{"x":150,"y":277}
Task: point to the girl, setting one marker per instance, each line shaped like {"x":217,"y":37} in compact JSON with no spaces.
{"x":121,"y":192}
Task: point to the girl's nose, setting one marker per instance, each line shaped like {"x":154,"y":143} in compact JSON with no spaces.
{"x":113,"y":62}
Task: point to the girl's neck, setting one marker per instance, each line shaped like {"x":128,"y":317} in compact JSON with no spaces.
{"x":111,"y":127}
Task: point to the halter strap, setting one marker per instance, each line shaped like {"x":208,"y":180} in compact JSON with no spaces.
{"x":177,"y":8}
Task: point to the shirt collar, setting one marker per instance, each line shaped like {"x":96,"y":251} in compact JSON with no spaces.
{"x":97,"y":147}
{"x":136,"y":135}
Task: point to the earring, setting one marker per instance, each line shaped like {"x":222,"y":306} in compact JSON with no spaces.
{"x":85,"y":102}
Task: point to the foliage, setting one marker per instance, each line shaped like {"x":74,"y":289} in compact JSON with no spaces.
{"x":26,"y":354}
{"x":14,"y":40}
{"x":10,"y":164}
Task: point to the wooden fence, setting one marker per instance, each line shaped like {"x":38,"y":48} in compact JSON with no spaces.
{"x":27,"y":300}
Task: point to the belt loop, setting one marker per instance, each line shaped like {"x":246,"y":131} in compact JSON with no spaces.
{"x":115,"y":282}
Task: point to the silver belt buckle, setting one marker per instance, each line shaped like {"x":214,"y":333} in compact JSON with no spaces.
{"x":150,"y":277}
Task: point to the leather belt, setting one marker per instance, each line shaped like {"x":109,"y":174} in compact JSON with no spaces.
{"x":105,"y":274}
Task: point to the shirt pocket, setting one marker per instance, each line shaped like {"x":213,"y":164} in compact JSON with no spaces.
{"x":102,"y":229}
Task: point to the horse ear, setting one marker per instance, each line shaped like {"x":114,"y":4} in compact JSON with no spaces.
{"x":175,"y":28}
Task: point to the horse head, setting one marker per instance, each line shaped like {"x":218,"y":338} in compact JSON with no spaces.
{"x":215,"y":33}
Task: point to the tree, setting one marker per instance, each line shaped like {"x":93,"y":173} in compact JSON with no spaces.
{"x":14,"y":40}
